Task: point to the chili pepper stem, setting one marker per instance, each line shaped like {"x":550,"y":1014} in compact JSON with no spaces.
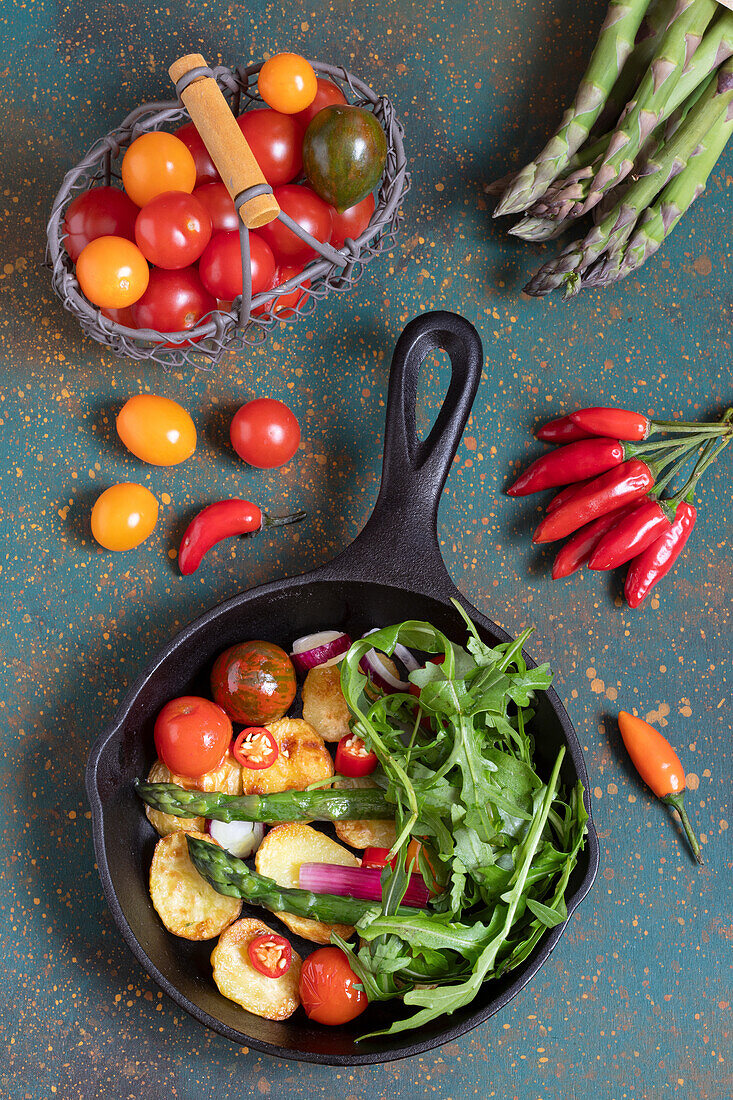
{"x":676,"y":799}
{"x":708,"y":456}
{"x":281,"y":521}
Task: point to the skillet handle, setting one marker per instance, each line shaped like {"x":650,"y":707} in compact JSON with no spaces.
{"x":399,"y":543}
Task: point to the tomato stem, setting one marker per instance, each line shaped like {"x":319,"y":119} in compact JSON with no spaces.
{"x":676,"y":799}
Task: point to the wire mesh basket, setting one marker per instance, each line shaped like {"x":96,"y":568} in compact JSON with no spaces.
{"x":250,"y":318}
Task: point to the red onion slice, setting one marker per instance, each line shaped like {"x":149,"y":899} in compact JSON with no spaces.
{"x":327,"y":647}
{"x":357,"y":882}
{"x":372,"y":665}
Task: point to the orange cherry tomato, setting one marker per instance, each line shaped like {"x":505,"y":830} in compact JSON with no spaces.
{"x":155,"y":163}
{"x":123,"y":516}
{"x":287,"y":83}
{"x":191,"y":735}
{"x":156,"y":430}
{"x":328,"y":988}
{"x":112,"y":272}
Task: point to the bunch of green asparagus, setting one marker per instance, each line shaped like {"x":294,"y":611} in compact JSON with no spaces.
{"x":649,"y":121}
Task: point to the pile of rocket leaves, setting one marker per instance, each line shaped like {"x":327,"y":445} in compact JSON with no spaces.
{"x":502,"y":843}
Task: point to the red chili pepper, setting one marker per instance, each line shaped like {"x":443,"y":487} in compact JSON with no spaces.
{"x":565,"y":494}
{"x":376,"y":858}
{"x":220,"y":521}
{"x":353,"y":758}
{"x":622,"y":485}
{"x":655,"y":562}
{"x":620,"y":423}
{"x":562,"y":430}
{"x":255,"y":748}
{"x":270,"y":954}
{"x":579,"y":547}
{"x":632,"y":534}
{"x":575,"y":462}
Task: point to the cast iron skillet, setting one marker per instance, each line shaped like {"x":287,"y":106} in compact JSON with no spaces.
{"x":392,"y":571}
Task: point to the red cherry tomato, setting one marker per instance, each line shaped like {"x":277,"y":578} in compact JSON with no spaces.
{"x":276,"y":141}
{"x":285,"y":305}
{"x":270,"y":954}
{"x":220,"y":266}
{"x":191,"y":735}
{"x":351,"y":222}
{"x":218,"y":202}
{"x":206,"y":170}
{"x":119,"y":316}
{"x":255,"y":748}
{"x":328,"y":988}
{"x":310,"y":212}
{"x":353,"y":758}
{"x":265,"y":433}
{"x":326,"y":95}
{"x":172,"y":230}
{"x":173,"y":302}
{"x":100,"y":212}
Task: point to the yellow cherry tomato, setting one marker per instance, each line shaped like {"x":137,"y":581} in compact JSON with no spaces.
{"x":124,"y":516}
{"x":156,"y":430}
{"x":155,"y":163}
{"x":287,"y":83}
{"x":112,"y":272}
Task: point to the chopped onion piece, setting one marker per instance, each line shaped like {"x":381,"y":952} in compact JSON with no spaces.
{"x":372,"y":665}
{"x":324,"y":648}
{"x":357,"y":882}
{"x":408,"y":659}
{"x":240,"y":838}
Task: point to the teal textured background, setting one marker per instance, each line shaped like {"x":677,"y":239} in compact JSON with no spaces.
{"x":635,"y":1001}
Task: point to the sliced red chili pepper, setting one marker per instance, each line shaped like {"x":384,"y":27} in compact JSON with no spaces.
{"x":632,"y":534}
{"x":377,"y":858}
{"x":579,"y":547}
{"x":576,"y":461}
{"x":620,"y":423}
{"x":270,"y":954}
{"x":353,"y":758}
{"x":220,"y":521}
{"x":611,"y":490}
{"x":256,"y":748}
{"x":655,"y":562}
{"x":562,"y":430}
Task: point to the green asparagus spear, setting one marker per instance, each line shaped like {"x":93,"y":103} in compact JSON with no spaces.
{"x":613,"y":47}
{"x":618,"y":225}
{"x":234,"y":878}
{"x":366,"y":803}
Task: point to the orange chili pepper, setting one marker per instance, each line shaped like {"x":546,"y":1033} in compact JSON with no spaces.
{"x":659,"y":766}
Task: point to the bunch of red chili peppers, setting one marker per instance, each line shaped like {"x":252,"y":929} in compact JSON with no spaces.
{"x":612,"y":507}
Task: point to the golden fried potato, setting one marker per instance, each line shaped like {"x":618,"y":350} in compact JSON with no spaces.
{"x":324,"y":705}
{"x":227,"y":778}
{"x":168,"y":823}
{"x":303,"y":758}
{"x":237,"y":979}
{"x":185,"y":902}
{"x":280,"y":855}
{"x":379,"y":833}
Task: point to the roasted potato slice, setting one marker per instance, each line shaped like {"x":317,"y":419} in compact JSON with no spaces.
{"x":227,"y":778}
{"x":324,"y":705}
{"x":168,"y":823}
{"x":303,"y":758}
{"x":364,"y":834}
{"x":280,"y":855}
{"x":237,"y":979}
{"x":185,"y":902}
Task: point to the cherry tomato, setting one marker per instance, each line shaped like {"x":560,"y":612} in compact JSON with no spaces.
{"x":174,"y":301}
{"x":206,"y":170}
{"x":154,"y":163}
{"x":327,"y":94}
{"x":376,"y":858}
{"x":173,"y":229}
{"x":287,"y":83}
{"x":100,"y":212}
{"x":112,"y":272}
{"x":255,"y":748}
{"x":270,"y":954}
{"x":119,"y":316}
{"x":351,"y":222}
{"x":328,"y":988}
{"x":220,"y":266}
{"x":310,"y":212}
{"x":265,"y":433}
{"x":156,"y":430}
{"x":353,"y":758}
{"x":218,"y":202}
{"x":285,"y":305}
{"x":123,"y":516}
{"x":191,"y":735}
{"x":276,"y":141}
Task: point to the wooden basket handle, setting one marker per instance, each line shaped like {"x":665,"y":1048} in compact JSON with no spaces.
{"x":225,"y":142}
